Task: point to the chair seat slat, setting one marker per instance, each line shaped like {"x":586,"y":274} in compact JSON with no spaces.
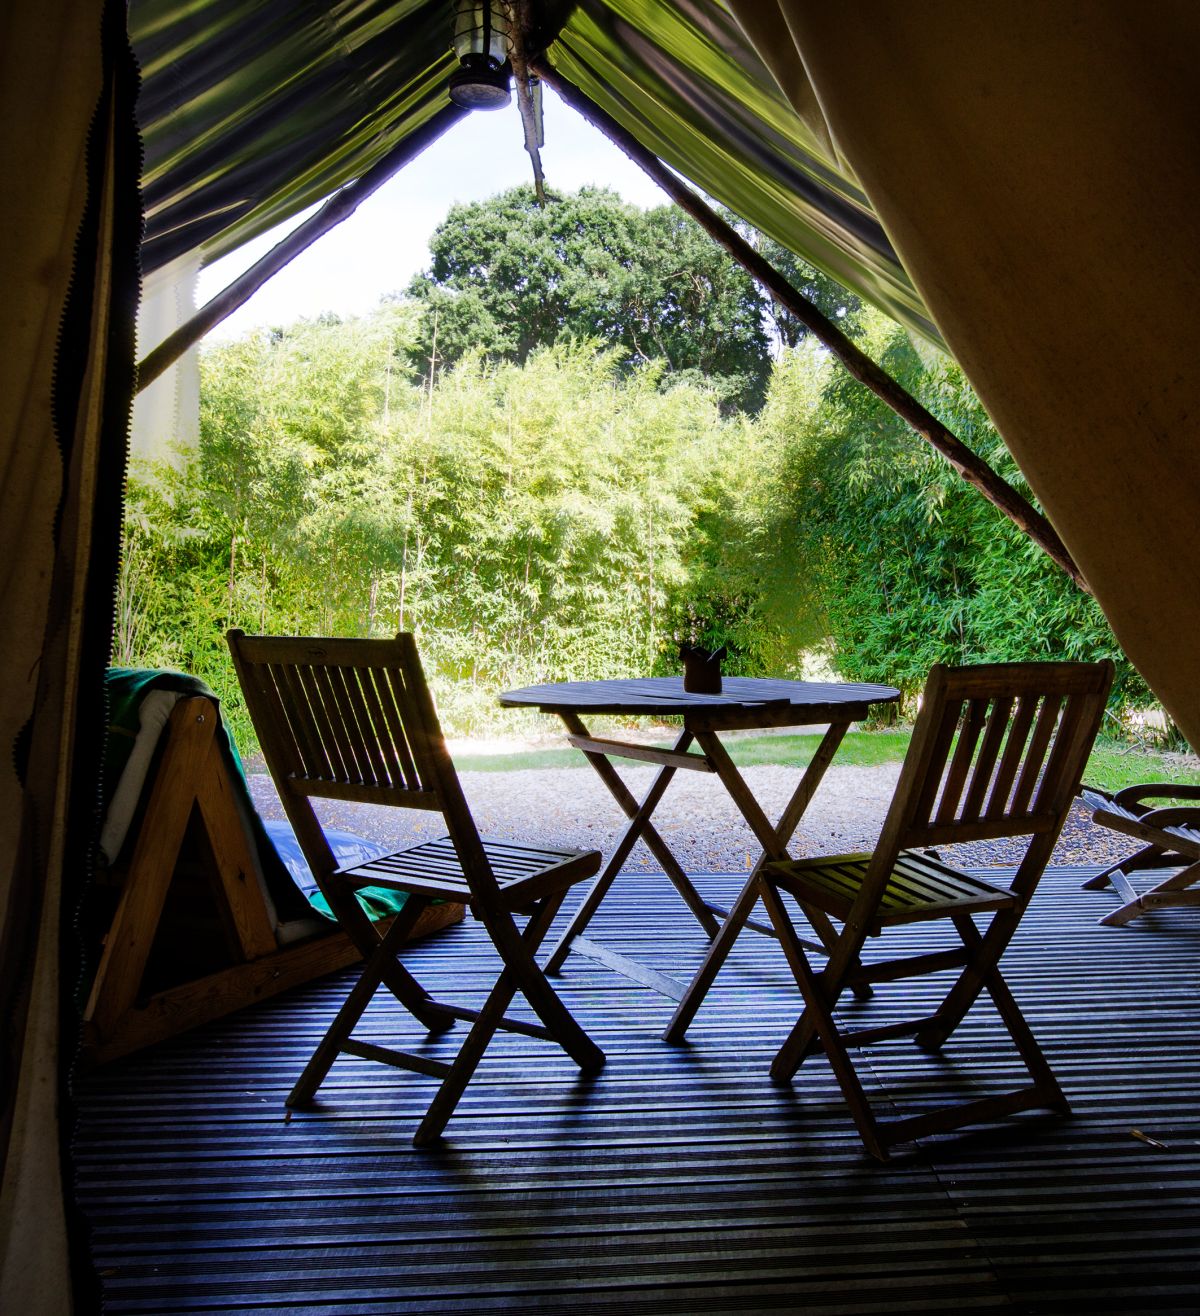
{"x":916,"y":887}
{"x":436,"y":867}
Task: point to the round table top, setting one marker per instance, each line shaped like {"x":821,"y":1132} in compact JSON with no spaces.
{"x":665,"y":696}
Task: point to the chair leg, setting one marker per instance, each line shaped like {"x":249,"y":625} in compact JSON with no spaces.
{"x":817,"y":1023}
{"x":517,"y":950}
{"x":986,"y":950}
{"x":353,"y":920}
{"x":801,"y":1042}
{"x":1131,"y":906}
{"x":1018,"y":1029}
{"x":718,"y":952}
{"x":1101,"y":880}
{"x":520,"y":972}
{"x":803,"y":1039}
{"x":1031,"y":1053}
{"x":1141,"y":904}
{"x":465,"y":1063}
{"x":356,"y":1002}
{"x":853,"y":1090}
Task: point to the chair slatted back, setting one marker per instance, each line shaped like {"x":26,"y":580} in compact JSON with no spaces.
{"x":997,"y":751}
{"x":351,"y":719}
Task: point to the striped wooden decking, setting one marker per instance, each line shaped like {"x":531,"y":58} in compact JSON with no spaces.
{"x":680,"y":1180}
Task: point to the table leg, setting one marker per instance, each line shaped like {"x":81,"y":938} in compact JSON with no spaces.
{"x":639,"y":827}
{"x":775,"y":840}
{"x":797,"y":806}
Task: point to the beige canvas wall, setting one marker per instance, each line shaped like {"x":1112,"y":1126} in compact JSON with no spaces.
{"x":1036,"y":166}
{"x":70,"y":149}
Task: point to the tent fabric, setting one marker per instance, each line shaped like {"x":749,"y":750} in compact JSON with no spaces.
{"x":251,"y":111}
{"x":166,"y":414}
{"x":685,"y":81}
{"x":1033,"y":167}
{"x":1036,"y":169}
{"x":69,"y":270}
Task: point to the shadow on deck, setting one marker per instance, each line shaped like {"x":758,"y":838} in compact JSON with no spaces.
{"x":680,"y":1180}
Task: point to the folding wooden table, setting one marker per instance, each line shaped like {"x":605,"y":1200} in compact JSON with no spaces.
{"x":744,"y":704}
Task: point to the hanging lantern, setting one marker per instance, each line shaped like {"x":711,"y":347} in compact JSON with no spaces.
{"x":481,"y":44}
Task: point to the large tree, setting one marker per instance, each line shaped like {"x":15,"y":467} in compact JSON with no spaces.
{"x":826,"y":294}
{"x":509,"y":276}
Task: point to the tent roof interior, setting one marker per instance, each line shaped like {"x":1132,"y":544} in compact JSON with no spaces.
{"x":251,"y":112}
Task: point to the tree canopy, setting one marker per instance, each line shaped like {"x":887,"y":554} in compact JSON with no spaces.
{"x":508,"y":277}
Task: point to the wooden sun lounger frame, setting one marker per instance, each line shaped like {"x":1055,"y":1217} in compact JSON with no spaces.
{"x":193,"y":778}
{"x":1170,"y":839}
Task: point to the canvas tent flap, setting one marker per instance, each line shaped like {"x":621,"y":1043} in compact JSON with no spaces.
{"x":251,"y":111}
{"x":1035,"y":166}
{"x":68,"y":267}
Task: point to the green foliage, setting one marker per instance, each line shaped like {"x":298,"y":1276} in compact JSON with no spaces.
{"x":527,"y":521}
{"x":543,"y":511}
{"x":908,"y":565}
{"x":508,"y":277}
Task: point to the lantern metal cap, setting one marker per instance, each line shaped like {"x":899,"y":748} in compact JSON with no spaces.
{"x":479,"y":86}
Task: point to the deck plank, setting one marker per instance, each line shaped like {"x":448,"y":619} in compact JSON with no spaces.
{"x":680,"y":1180}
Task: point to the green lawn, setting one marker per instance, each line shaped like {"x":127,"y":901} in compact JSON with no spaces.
{"x":864,"y":748}
{"x":1112,"y":765}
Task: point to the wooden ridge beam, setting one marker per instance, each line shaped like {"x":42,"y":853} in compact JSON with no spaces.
{"x":341,"y":205}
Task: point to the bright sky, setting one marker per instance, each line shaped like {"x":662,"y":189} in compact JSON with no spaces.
{"x":385,"y":242}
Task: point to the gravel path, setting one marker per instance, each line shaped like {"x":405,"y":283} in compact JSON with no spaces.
{"x":697,"y":819}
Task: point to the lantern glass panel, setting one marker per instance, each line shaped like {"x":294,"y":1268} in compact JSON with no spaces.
{"x":481,"y":33}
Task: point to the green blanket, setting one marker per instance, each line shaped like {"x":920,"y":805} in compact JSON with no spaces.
{"x":126,"y":687}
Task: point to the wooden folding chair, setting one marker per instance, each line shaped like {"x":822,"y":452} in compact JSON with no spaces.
{"x":997,"y":751}
{"x":354,"y":720}
{"x":1171,"y":840}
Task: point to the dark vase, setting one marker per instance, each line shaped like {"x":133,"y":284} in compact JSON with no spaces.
{"x":701,"y":669}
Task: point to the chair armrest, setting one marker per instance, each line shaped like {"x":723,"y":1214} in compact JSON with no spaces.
{"x":1181,"y":815}
{"x":1152,"y":790}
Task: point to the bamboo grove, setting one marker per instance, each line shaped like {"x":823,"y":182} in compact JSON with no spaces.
{"x":573,"y":510}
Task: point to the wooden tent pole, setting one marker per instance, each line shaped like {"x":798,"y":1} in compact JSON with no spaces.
{"x":968,"y":464}
{"x":340,"y":206}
